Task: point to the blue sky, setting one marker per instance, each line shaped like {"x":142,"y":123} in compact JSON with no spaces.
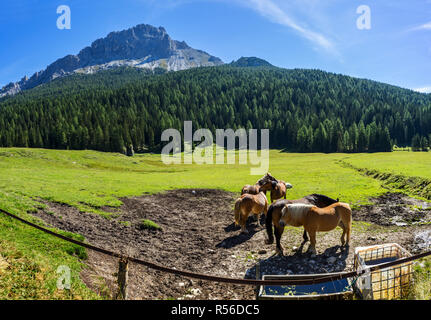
{"x":288,"y":33}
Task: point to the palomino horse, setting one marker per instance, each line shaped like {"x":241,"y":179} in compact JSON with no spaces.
{"x":249,"y":203}
{"x":315,"y":219}
{"x":274,"y":212}
{"x":263,"y":184}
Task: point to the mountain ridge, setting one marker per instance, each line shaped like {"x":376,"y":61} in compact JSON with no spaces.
{"x":142,"y":46}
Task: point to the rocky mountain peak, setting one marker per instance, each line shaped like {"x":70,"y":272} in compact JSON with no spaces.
{"x":142,"y":46}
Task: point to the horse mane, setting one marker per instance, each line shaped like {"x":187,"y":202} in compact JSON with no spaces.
{"x":265,"y":178}
{"x":297,"y":206}
{"x":296,"y":210}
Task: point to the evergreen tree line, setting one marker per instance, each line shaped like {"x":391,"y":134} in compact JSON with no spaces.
{"x":420,"y":143}
{"x":305,"y":110}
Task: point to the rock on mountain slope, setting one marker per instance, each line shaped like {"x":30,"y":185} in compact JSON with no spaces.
{"x":142,"y":46}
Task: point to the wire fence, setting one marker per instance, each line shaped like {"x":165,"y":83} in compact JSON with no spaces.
{"x":315,"y":279}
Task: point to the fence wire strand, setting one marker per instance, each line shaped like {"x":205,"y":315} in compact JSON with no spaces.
{"x":253,"y":282}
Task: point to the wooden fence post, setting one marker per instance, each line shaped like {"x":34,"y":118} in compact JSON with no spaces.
{"x":122,"y":278}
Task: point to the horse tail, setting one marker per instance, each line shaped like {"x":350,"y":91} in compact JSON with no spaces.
{"x":268,"y":223}
{"x":344,"y":212}
{"x":347,"y":214}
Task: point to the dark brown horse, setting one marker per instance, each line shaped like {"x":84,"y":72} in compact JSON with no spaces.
{"x":275,"y":211}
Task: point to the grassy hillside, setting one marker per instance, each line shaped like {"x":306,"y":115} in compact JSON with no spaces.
{"x":416,"y":164}
{"x":409,"y":172}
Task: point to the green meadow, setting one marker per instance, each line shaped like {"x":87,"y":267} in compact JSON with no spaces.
{"x":417,"y":164}
{"x":90,"y":181}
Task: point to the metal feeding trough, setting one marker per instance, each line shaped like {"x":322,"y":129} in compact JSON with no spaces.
{"x":388,"y":283}
{"x":331,"y":290}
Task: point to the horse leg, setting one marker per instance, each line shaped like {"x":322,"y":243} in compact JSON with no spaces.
{"x":312,"y":247}
{"x":256,"y":217}
{"x":347,"y":223}
{"x":243,"y":222}
{"x":304,"y":236}
{"x":278,"y":231}
{"x":342,"y":239}
{"x":244,"y":229}
{"x":348,"y":228}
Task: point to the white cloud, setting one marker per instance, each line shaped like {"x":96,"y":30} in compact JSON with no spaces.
{"x":426,"y":26}
{"x":270,"y":10}
{"x":423,"y":90}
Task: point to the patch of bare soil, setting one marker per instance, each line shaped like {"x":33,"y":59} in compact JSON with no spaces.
{"x":197,"y":234}
{"x":395,"y":209}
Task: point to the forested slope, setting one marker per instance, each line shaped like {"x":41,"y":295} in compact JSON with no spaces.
{"x":305,"y":110}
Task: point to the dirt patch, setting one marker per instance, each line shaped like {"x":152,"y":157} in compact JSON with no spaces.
{"x":395,"y":209}
{"x":197,"y":234}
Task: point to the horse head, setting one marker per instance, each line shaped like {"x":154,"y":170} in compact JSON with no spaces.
{"x":267,"y":178}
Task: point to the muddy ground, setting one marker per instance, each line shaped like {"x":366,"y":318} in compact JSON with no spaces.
{"x":197,"y":234}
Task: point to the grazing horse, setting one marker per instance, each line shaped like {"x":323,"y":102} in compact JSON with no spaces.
{"x":263,"y":184}
{"x":315,"y":219}
{"x":274,"y":212}
{"x":249,"y":203}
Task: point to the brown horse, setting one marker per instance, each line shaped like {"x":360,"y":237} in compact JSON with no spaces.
{"x":250,"y":189}
{"x":278,"y":190}
{"x":316,"y":219}
{"x":247,"y":204}
{"x":274,"y":212}
{"x":263,"y":184}
{"x":278,"y":187}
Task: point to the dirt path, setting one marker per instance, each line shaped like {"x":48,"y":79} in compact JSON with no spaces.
{"x":197,"y":234}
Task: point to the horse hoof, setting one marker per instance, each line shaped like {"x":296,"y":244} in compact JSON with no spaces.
{"x":269,"y":241}
{"x":312,"y":252}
